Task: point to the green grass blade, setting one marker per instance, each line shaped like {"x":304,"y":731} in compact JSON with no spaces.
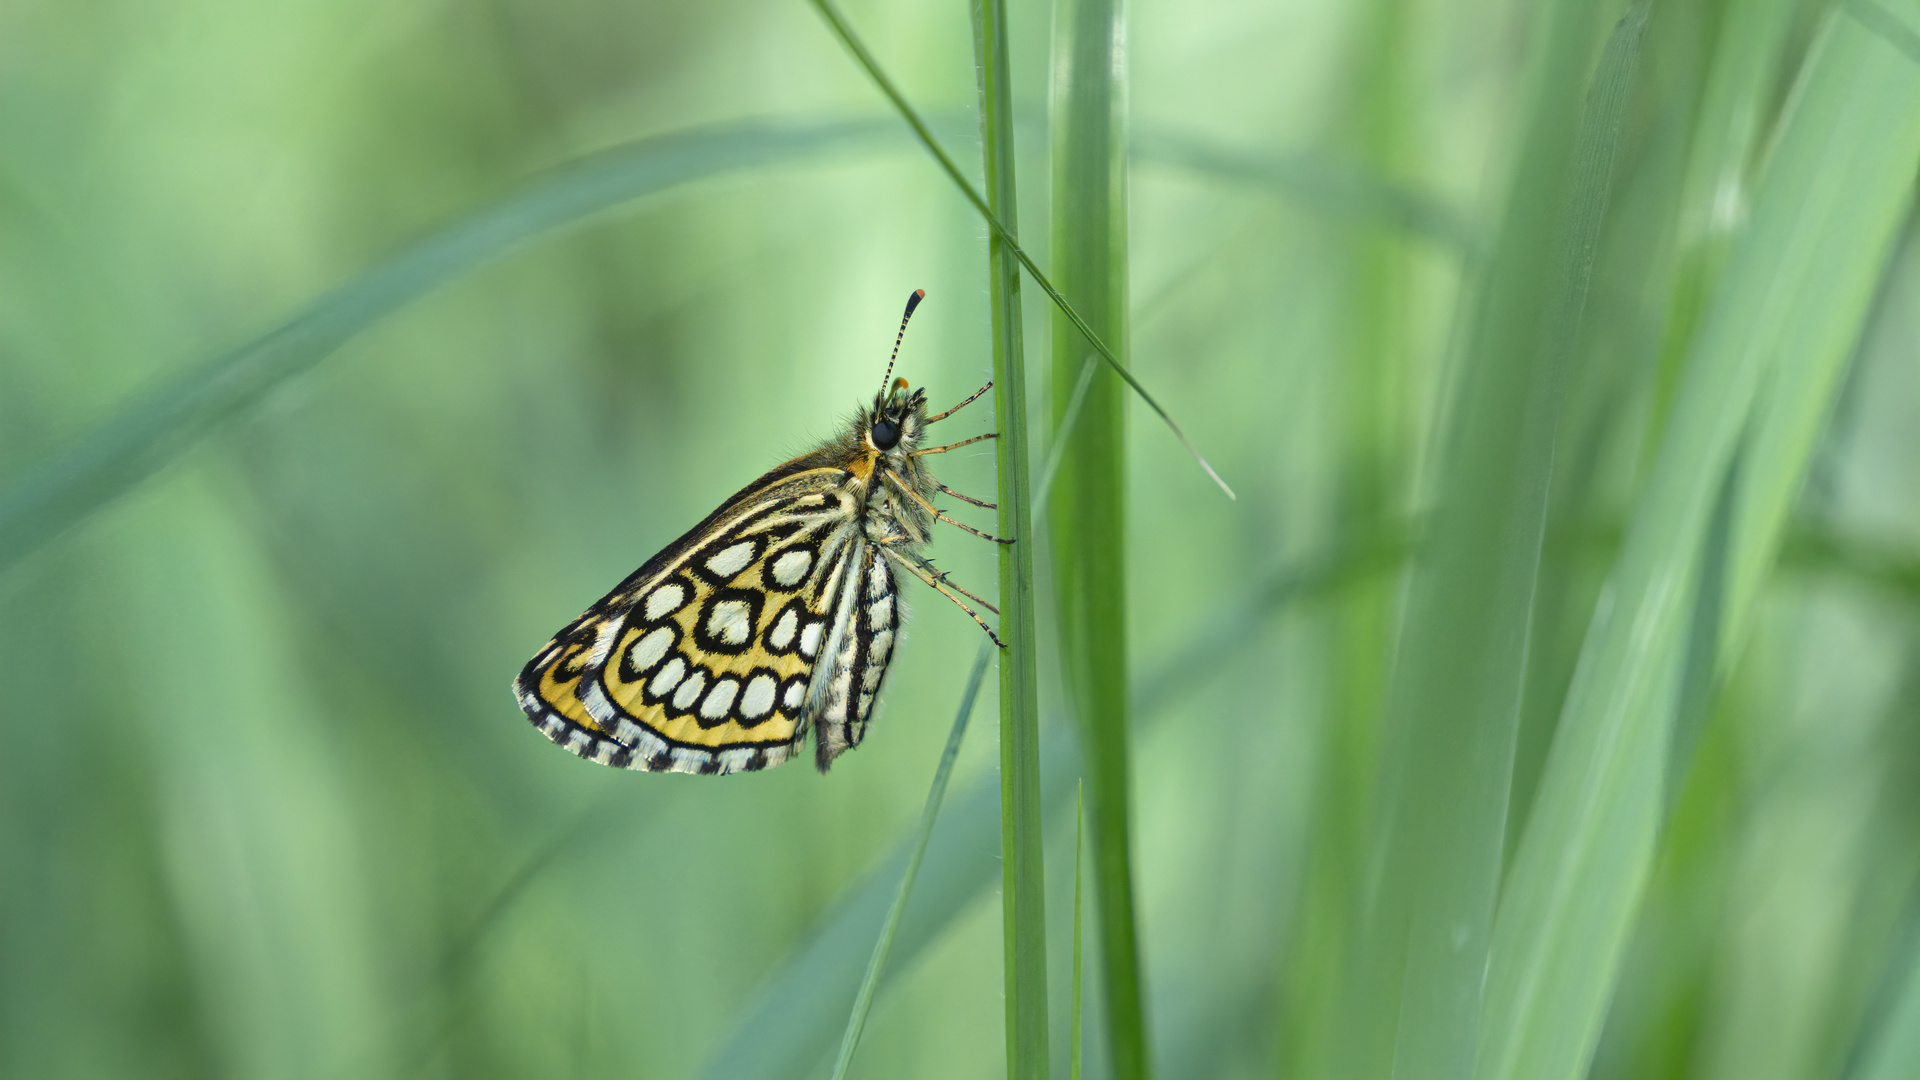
{"x":1793,"y":295}
{"x":1894,"y":1052}
{"x":1454,"y":707}
{"x":1329,"y":187}
{"x":863,"y":1001}
{"x":785,"y":1031}
{"x":143,"y":438}
{"x":1022,"y":828}
{"x":1795,"y":402}
{"x":1087,"y":517}
{"x":1069,"y":417}
{"x":1892,"y":27}
{"x":1079,"y":872}
{"x":1700,"y":671}
{"x":1002,"y":231}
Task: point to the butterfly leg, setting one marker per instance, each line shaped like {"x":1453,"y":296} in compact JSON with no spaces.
{"x":971,"y":398}
{"x":966,"y":498}
{"x":915,"y":496}
{"x":925,"y":571}
{"x":954,"y":446}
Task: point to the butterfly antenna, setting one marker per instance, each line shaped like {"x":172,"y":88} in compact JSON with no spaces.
{"x":912,"y":302}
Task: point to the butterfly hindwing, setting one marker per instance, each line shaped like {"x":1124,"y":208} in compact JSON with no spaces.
{"x":867,"y":626}
{"x":546,"y":692}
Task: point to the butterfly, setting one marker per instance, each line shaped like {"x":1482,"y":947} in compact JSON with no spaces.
{"x":773,"y":619}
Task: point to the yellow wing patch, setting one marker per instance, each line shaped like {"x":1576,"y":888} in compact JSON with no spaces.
{"x":706,"y":663}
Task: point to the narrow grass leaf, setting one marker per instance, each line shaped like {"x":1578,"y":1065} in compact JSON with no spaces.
{"x":1069,"y":417}
{"x":1022,"y":826}
{"x":863,"y":1001}
{"x":143,"y":438}
{"x":1894,"y":1052}
{"x":1793,"y":294}
{"x":1003,"y":232}
{"x":1700,"y":675}
{"x":1088,"y":512}
{"x":1079,"y":872}
{"x":1454,"y":706}
{"x":1331,"y":187}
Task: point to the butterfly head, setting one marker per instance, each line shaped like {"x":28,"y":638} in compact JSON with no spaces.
{"x":893,"y":423}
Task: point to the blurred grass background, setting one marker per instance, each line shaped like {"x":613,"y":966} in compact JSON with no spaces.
{"x":268,"y":809}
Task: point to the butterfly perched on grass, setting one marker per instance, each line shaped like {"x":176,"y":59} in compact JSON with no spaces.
{"x":773,"y":618}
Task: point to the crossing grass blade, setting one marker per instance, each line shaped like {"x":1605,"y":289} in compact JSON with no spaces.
{"x":863,"y":1001}
{"x":1785,"y":312}
{"x":51,"y":497}
{"x":1330,"y":187}
{"x":144,"y":437}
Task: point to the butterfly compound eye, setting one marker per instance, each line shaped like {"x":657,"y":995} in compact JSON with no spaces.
{"x":886,"y":434}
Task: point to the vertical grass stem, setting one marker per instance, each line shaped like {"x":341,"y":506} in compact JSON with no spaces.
{"x":1023,"y":867}
{"x":1088,"y":509}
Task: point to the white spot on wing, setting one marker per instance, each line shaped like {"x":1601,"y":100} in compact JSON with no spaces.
{"x":719,"y":699}
{"x":731,"y":560}
{"x":810,"y":639}
{"x":648,"y":650}
{"x":728,"y":622}
{"x":781,"y":635}
{"x":792,"y":566}
{"x":665,"y":600}
{"x":758,"y":700}
{"x":796,"y":693}
{"x":668,"y":677}
{"x":689,"y":691}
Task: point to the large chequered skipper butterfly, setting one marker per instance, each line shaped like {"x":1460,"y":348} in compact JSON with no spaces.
{"x":775,"y":616}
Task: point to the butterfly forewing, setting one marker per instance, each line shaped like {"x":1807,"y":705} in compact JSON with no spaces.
{"x":707,"y":659}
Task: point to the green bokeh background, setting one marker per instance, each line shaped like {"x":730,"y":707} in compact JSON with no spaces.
{"x":267,"y":807}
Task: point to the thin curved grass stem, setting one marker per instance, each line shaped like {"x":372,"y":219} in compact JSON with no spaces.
{"x":863,"y":1002}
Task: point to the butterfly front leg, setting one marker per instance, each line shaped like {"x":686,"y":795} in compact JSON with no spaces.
{"x":928,"y":507}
